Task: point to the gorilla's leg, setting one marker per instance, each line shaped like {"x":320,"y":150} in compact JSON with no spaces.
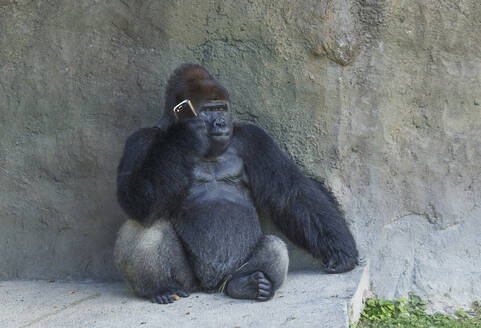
{"x":263,"y":273}
{"x":152,"y":261}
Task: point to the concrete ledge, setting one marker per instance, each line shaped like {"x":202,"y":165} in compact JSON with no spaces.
{"x":308,"y":299}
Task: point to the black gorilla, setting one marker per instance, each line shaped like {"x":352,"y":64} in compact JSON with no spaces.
{"x":192,"y":188}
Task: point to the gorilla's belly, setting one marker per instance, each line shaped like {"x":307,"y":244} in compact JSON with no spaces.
{"x":218,"y":235}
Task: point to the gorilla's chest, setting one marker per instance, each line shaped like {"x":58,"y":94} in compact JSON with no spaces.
{"x":218,"y":223}
{"x":221,"y":178}
{"x":225,"y":167}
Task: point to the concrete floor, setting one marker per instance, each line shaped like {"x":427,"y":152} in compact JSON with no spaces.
{"x":307,"y":299}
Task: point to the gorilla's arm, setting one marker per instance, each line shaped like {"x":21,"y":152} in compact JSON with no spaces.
{"x":302,"y":208}
{"x":155,"y":171}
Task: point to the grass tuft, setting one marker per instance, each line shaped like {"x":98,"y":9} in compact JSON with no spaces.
{"x":402,"y":312}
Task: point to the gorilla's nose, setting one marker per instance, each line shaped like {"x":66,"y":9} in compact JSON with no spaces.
{"x":219,"y":123}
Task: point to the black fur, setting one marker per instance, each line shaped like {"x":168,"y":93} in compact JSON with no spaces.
{"x":195,"y":186}
{"x":303,"y":209}
{"x":157,"y":162}
{"x":218,"y":237}
{"x":154,"y":172}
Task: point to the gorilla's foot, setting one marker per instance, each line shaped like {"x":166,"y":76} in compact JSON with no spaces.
{"x":168,"y":295}
{"x":255,"y":286}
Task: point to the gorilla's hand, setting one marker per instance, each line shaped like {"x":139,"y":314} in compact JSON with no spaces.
{"x":193,"y":136}
{"x":339,"y":262}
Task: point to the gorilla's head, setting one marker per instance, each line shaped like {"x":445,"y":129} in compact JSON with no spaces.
{"x":217,"y":116}
{"x":210,"y":100}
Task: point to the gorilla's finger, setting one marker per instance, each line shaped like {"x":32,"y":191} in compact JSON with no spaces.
{"x":264,"y":286}
{"x":181,"y":293}
{"x":262,"y":298}
{"x":258,"y":275}
{"x":158,"y":299}
{"x":327,"y":269}
{"x":263,"y":292}
{"x":332,"y":263}
{"x":164,"y":299}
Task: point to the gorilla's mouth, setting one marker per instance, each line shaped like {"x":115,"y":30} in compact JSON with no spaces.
{"x":219,"y":131}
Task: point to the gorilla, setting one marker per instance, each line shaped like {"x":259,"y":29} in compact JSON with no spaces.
{"x":192,"y":187}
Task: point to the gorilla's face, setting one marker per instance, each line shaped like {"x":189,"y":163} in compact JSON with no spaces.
{"x":218,"y":119}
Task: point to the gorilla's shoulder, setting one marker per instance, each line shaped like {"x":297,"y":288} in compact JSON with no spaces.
{"x":143,"y":136}
{"x":248,"y":132}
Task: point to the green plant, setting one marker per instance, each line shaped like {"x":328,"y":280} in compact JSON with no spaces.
{"x":477,"y":308}
{"x":402,"y":312}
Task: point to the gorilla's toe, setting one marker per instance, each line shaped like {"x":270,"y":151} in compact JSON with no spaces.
{"x":255,"y":286}
{"x":263,"y":285}
{"x":169,"y":296}
{"x":163,"y":299}
{"x":181,"y":293}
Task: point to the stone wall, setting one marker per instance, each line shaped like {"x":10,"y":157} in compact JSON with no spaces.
{"x":379,"y":98}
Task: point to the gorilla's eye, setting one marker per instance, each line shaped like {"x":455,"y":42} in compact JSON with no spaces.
{"x":215,"y":106}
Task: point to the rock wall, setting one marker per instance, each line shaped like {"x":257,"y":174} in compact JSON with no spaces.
{"x":379,"y":98}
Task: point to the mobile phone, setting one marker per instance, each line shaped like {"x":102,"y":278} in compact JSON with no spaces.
{"x":184,"y":110}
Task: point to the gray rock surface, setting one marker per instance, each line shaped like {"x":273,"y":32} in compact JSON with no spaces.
{"x":379,"y":98}
{"x":305,"y":300}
